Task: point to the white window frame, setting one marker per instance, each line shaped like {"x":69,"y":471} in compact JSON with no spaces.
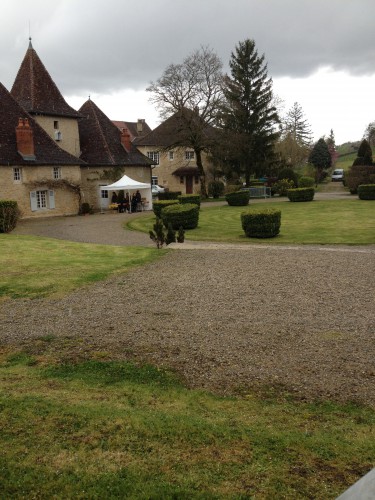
{"x":189,"y":155}
{"x":154,"y":156}
{"x":42,"y":199}
{"x":154,"y":180}
{"x":17,"y":174}
{"x":171,"y":155}
{"x":56,"y":173}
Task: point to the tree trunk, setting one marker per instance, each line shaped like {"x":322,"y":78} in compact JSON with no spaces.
{"x":202,"y":174}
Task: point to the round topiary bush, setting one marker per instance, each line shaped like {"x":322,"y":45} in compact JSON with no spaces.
{"x":9,"y":215}
{"x":190,"y":198}
{"x":157,"y":206}
{"x":261,"y":223}
{"x":301,"y":194}
{"x":238,"y":198}
{"x":186,"y":216}
{"x":366,"y":192}
{"x":306,"y":182}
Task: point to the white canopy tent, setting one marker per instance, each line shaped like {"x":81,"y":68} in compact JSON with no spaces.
{"x":131,"y":186}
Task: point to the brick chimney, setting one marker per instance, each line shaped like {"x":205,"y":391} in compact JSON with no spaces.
{"x":25,"y":139}
{"x":125,"y":139}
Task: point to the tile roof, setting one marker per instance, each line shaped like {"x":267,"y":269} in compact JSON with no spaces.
{"x":101,"y":140}
{"x":35,"y":90}
{"x":47,"y":152}
{"x":133,"y":128}
{"x":175,"y":131}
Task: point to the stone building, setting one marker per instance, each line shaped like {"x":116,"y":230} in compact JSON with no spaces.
{"x":52,"y":157}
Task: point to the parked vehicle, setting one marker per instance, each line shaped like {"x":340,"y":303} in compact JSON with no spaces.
{"x":338,"y":175}
{"x":155,"y":189}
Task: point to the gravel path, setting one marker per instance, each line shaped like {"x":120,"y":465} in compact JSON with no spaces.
{"x":226,"y":317}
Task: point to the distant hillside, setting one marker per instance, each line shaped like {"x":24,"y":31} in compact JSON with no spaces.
{"x":348,"y":148}
{"x":347,"y":153}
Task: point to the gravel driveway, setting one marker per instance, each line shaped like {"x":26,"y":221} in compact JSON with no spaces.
{"x":226,"y":317}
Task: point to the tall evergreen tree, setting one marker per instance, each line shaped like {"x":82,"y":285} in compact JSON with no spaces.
{"x":297,"y":126}
{"x":364,"y":155}
{"x":332,"y":147}
{"x":320,"y":157}
{"x":248,"y":116}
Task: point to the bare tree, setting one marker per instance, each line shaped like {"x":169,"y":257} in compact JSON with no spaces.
{"x":193,"y":89}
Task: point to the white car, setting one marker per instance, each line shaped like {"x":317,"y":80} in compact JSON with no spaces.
{"x":338,"y":175}
{"x":155,"y":189}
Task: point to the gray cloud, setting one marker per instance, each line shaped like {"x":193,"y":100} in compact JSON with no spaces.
{"x":96,"y":46}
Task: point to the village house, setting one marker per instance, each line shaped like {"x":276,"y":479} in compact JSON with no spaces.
{"x":52,"y":157}
{"x":43,"y":178}
{"x":176,"y":168}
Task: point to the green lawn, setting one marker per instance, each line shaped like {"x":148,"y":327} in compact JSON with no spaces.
{"x":98,"y":428}
{"x":40,"y":267}
{"x":346,"y":222}
{"x":117,"y":430}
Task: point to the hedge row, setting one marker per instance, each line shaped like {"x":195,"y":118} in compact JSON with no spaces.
{"x":185,"y":215}
{"x":263,"y":223}
{"x":9,"y":215}
{"x":169,"y":195}
{"x":190,"y":198}
{"x":301,"y":194}
{"x":366,"y":192}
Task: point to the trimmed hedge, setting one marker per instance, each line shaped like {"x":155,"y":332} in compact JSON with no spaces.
{"x":366,"y":192}
{"x":238,"y":198}
{"x":9,"y":215}
{"x":262,"y":223}
{"x":169,"y":195}
{"x":301,"y":194}
{"x":190,"y":198}
{"x":306,"y":182}
{"x":186,"y":216}
{"x":157,"y":206}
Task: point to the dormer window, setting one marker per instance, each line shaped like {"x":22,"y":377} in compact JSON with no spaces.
{"x":56,"y":173}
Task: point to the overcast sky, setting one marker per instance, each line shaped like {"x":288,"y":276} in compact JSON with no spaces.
{"x":320,"y":53}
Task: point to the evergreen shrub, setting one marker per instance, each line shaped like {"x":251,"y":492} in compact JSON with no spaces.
{"x":282,"y":186}
{"x":358,"y":175}
{"x":216,"y":189}
{"x":306,"y":182}
{"x":366,"y":192}
{"x":238,"y":198}
{"x":288,"y":173}
{"x":185,"y":216}
{"x":9,"y":215}
{"x":169,"y":195}
{"x":157,"y":206}
{"x":190,"y":198}
{"x":261,"y":223}
{"x":301,"y":194}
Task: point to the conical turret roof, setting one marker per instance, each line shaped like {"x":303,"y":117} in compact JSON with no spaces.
{"x":47,"y":152}
{"x":35,"y":90}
